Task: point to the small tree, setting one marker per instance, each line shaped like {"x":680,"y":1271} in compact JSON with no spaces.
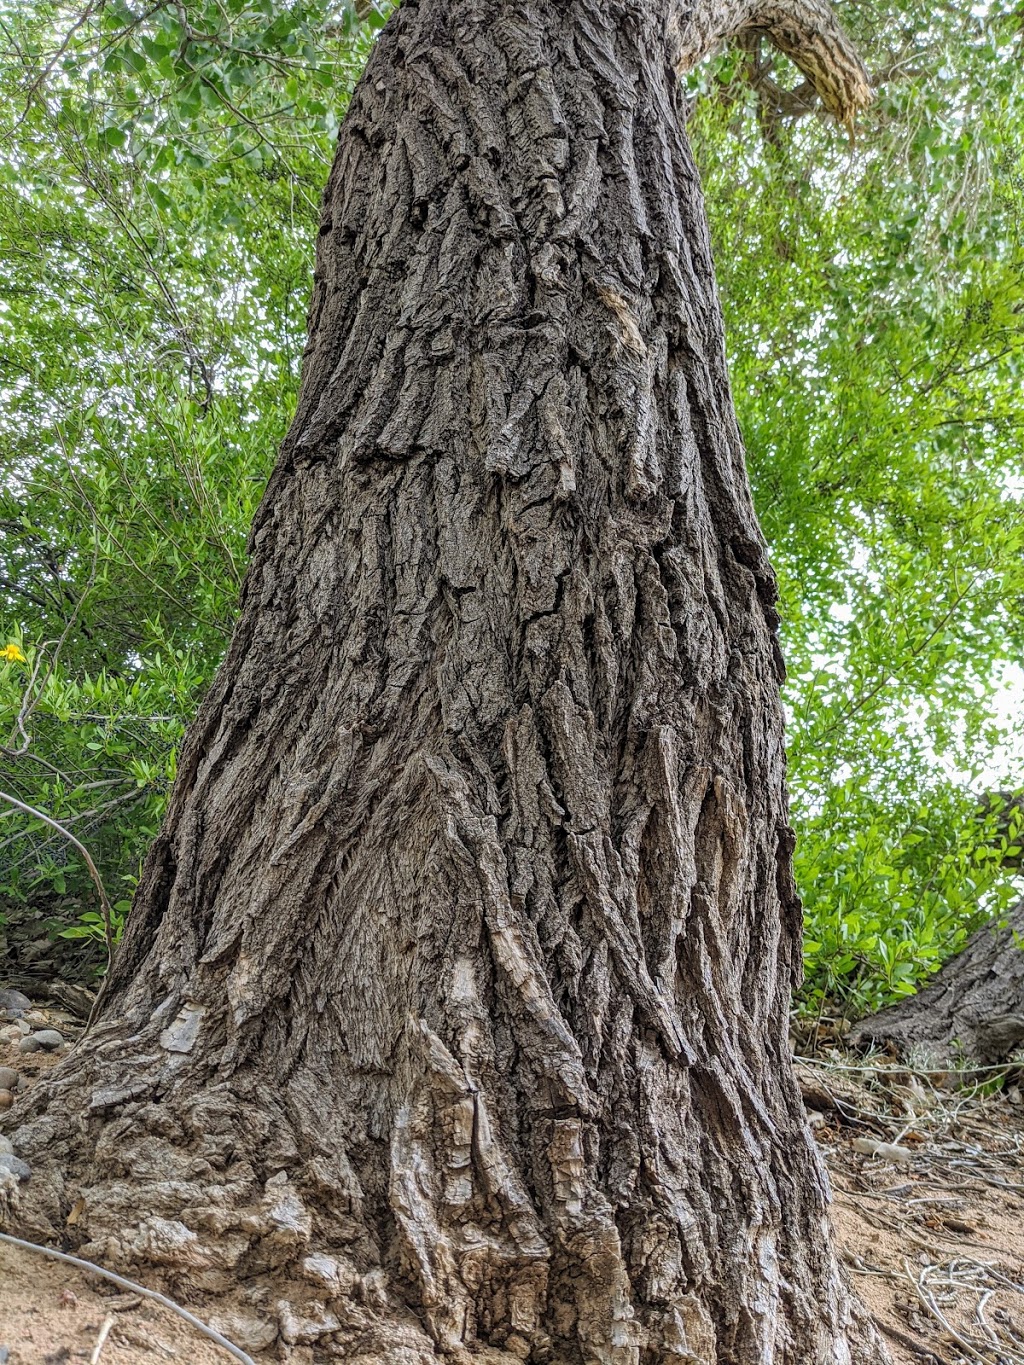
{"x":451,"y":1016}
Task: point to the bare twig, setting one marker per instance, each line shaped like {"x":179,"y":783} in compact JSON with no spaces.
{"x":97,"y":1350}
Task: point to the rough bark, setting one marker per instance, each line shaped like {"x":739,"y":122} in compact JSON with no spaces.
{"x":454,"y":996}
{"x":972,"y":1012}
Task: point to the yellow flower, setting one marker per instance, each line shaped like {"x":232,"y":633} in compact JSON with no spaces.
{"x":12,"y":654}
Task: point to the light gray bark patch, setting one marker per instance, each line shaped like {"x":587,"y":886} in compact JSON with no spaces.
{"x":182,"y":1033}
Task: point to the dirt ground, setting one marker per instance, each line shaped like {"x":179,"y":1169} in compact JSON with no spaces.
{"x":51,"y":1314}
{"x":928,"y":1177}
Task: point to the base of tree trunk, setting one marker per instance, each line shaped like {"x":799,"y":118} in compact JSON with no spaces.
{"x":971,"y":1013}
{"x":216,"y":1193}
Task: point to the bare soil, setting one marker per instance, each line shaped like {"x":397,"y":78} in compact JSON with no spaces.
{"x":51,"y":1314}
{"x":927,"y":1175}
{"x":928,"y":1178}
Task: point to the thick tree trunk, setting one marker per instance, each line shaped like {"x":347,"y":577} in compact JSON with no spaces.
{"x":455,"y":992}
{"x":972,"y":1013}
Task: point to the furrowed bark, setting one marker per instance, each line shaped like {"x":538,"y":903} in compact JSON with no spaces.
{"x":451,"y":1018}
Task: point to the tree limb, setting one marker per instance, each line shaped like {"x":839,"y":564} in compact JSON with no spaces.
{"x":806,"y":31}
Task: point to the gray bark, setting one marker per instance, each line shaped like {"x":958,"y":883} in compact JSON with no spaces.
{"x":972,"y":1012}
{"x":451,"y":1019}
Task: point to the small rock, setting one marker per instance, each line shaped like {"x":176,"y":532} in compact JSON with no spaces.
{"x":6,"y":1099}
{"x":16,"y":1166}
{"x":8,"y":1078}
{"x":6,"y":1146}
{"x":13,"y":1004}
{"x":49,"y":1039}
{"x":10,"y":1034}
{"x":36,"y":1019}
{"x":30,"y":1043}
{"x":23,"y":1028}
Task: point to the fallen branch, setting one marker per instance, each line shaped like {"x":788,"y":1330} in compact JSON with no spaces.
{"x":97,"y":1350}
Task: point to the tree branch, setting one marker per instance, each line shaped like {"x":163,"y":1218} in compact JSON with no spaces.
{"x":806,"y":31}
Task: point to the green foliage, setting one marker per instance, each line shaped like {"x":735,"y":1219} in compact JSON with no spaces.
{"x":874,"y":301}
{"x":160,"y":172}
{"x":160,"y":168}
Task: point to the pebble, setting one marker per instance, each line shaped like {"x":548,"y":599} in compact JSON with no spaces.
{"x":6,"y":1099}
{"x":30,"y":1043}
{"x":6,"y":1146}
{"x":8,"y":1078}
{"x":13,"y":1003}
{"x":49,"y":1039}
{"x":16,"y":1166}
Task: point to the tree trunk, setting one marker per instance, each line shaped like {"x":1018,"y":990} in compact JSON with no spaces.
{"x":972,"y":1013}
{"x":451,"y":1018}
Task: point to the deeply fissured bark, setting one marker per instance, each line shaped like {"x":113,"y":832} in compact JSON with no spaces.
{"x":450,"y":1022}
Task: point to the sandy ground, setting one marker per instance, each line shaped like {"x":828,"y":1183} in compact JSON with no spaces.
{"x":928,"y":1179}
{"x":928,"y":1184}
{"x":51,"y":1314}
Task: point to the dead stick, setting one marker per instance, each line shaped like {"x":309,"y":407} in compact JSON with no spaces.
{"x":108,"y":1322}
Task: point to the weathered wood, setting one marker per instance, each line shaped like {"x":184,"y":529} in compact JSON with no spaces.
{"x":456,"y":986}
{"x":971,"y":1012}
